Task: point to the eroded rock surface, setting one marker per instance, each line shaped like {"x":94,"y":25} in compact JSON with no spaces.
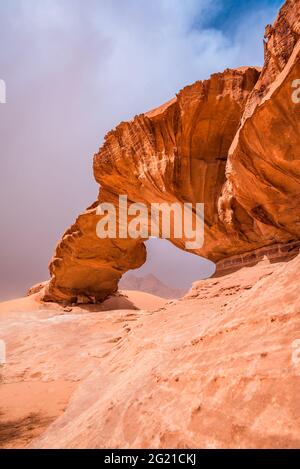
{"x":218,"y":368}
{"x":262,"y":191}
{"x":176,"y":153}
{"x":231,"y":142}
{"x":212,"y":370}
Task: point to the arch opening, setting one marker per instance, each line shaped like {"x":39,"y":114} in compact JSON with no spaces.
{"x":168,"y":272}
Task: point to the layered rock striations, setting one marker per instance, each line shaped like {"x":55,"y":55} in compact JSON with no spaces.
{"x":230,"y":142}
{"x":217,"y":369}
{"x":261,"y":193}
{"x":280,"y":40}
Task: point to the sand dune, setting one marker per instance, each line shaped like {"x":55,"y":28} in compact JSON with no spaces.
{"x":213,"y":369}
{"x":33,"y":392}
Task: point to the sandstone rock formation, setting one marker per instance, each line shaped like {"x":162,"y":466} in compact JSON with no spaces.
{"x":216,"y":369}
{"x":262,"y":191}
{"x":230,"y":142}
{"x":275,"y":253}
{"x":219,"y":368}
{"x":175,"y":153}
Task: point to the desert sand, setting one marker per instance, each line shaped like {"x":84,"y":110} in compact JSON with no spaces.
{"x":30,"y":399}
{"x":213,"y":369}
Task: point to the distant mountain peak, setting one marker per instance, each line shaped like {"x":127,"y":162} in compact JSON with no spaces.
{"x":150,"y":284}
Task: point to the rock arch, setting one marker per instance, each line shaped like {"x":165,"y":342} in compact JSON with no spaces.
{"x":231,"y":142}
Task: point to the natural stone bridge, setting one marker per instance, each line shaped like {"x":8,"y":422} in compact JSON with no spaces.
{"x":231,"y":142}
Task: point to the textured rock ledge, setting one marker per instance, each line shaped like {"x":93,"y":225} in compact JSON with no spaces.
{"x":274,"y":253}
{"x":212,"y":370}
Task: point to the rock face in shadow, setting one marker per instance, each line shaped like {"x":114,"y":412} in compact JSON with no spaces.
{"x":230,"y":142}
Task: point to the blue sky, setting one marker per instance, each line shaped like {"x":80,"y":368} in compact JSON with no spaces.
{"x":73,"y":70}
{"x":230,"y":12}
